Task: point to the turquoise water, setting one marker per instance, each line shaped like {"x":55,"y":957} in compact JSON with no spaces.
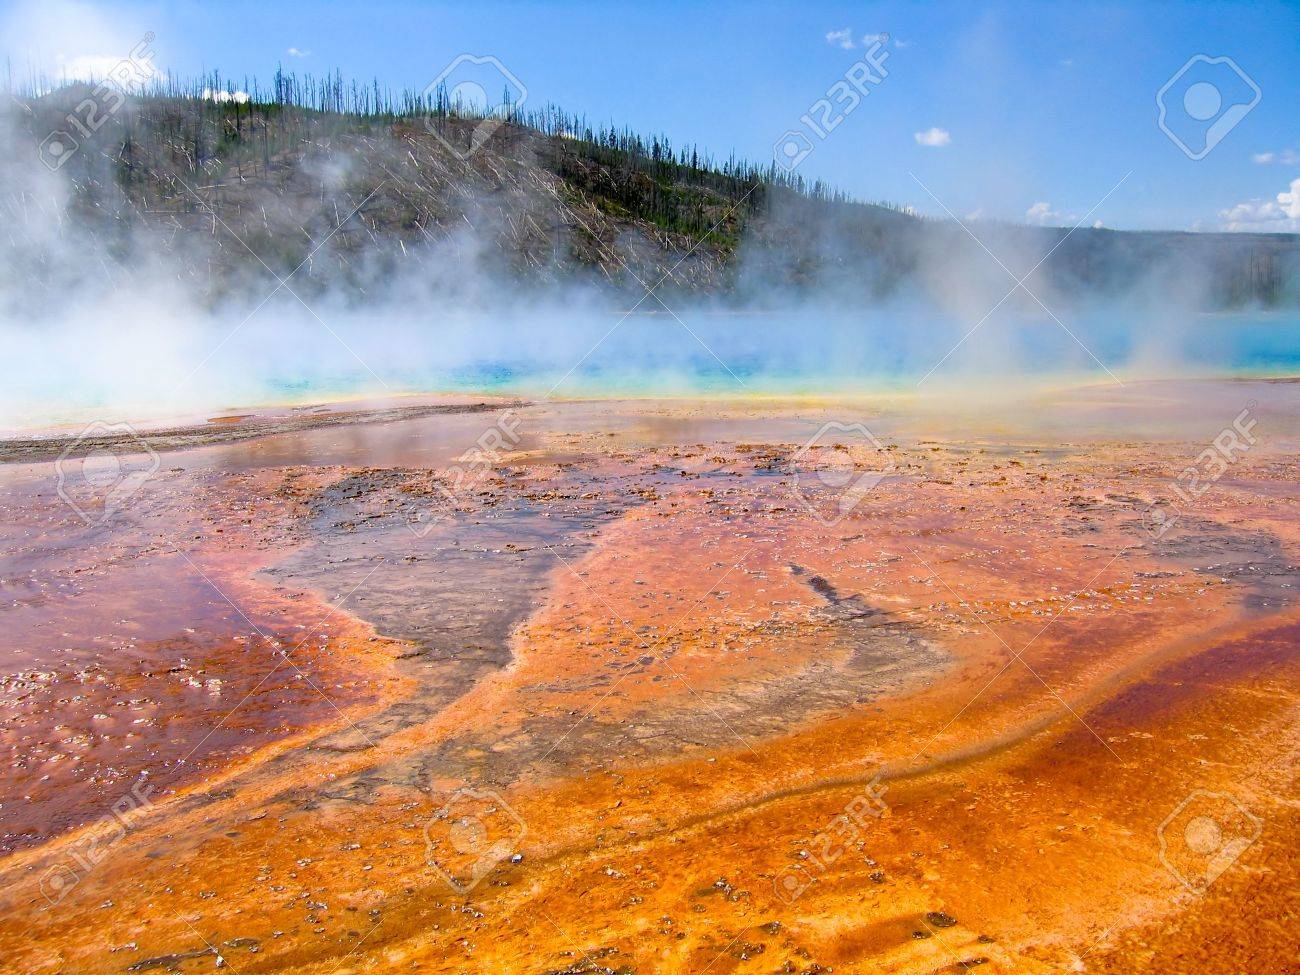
{"x":784,"y":358}
{"x":541,"y":352}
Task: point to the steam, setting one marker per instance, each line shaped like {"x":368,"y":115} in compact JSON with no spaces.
{"x":113,"y":313}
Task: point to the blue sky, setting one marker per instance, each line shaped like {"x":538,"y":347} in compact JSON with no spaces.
{"x":1034,"y":111}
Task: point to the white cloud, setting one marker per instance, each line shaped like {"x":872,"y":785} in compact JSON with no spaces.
{"x":934,"y":137}
{"x":1246,"y":216}
{"x":1043,"y":215}
{"x":1290,"y":201}
{"x":221,"y":97}
{"x":125,"y":72}
{"x":1039,"y":213}
{"x":844,"y":38}
{"x":1278,"y":215}
{"x":1287,"y":157}
{"x":66,"y":40}
{"x":295,"y":52}
{"x":841,"y":38}
{"x":900,"y":43}
{"x":86,"y":67}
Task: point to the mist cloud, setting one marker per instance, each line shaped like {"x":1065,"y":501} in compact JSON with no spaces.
{"x":134,"y":316}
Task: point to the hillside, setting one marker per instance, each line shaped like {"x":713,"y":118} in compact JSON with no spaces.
{"x":228,"y":190}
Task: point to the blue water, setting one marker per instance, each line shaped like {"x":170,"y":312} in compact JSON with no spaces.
{"x":540,"y":352}
{"x":792,"y":357}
